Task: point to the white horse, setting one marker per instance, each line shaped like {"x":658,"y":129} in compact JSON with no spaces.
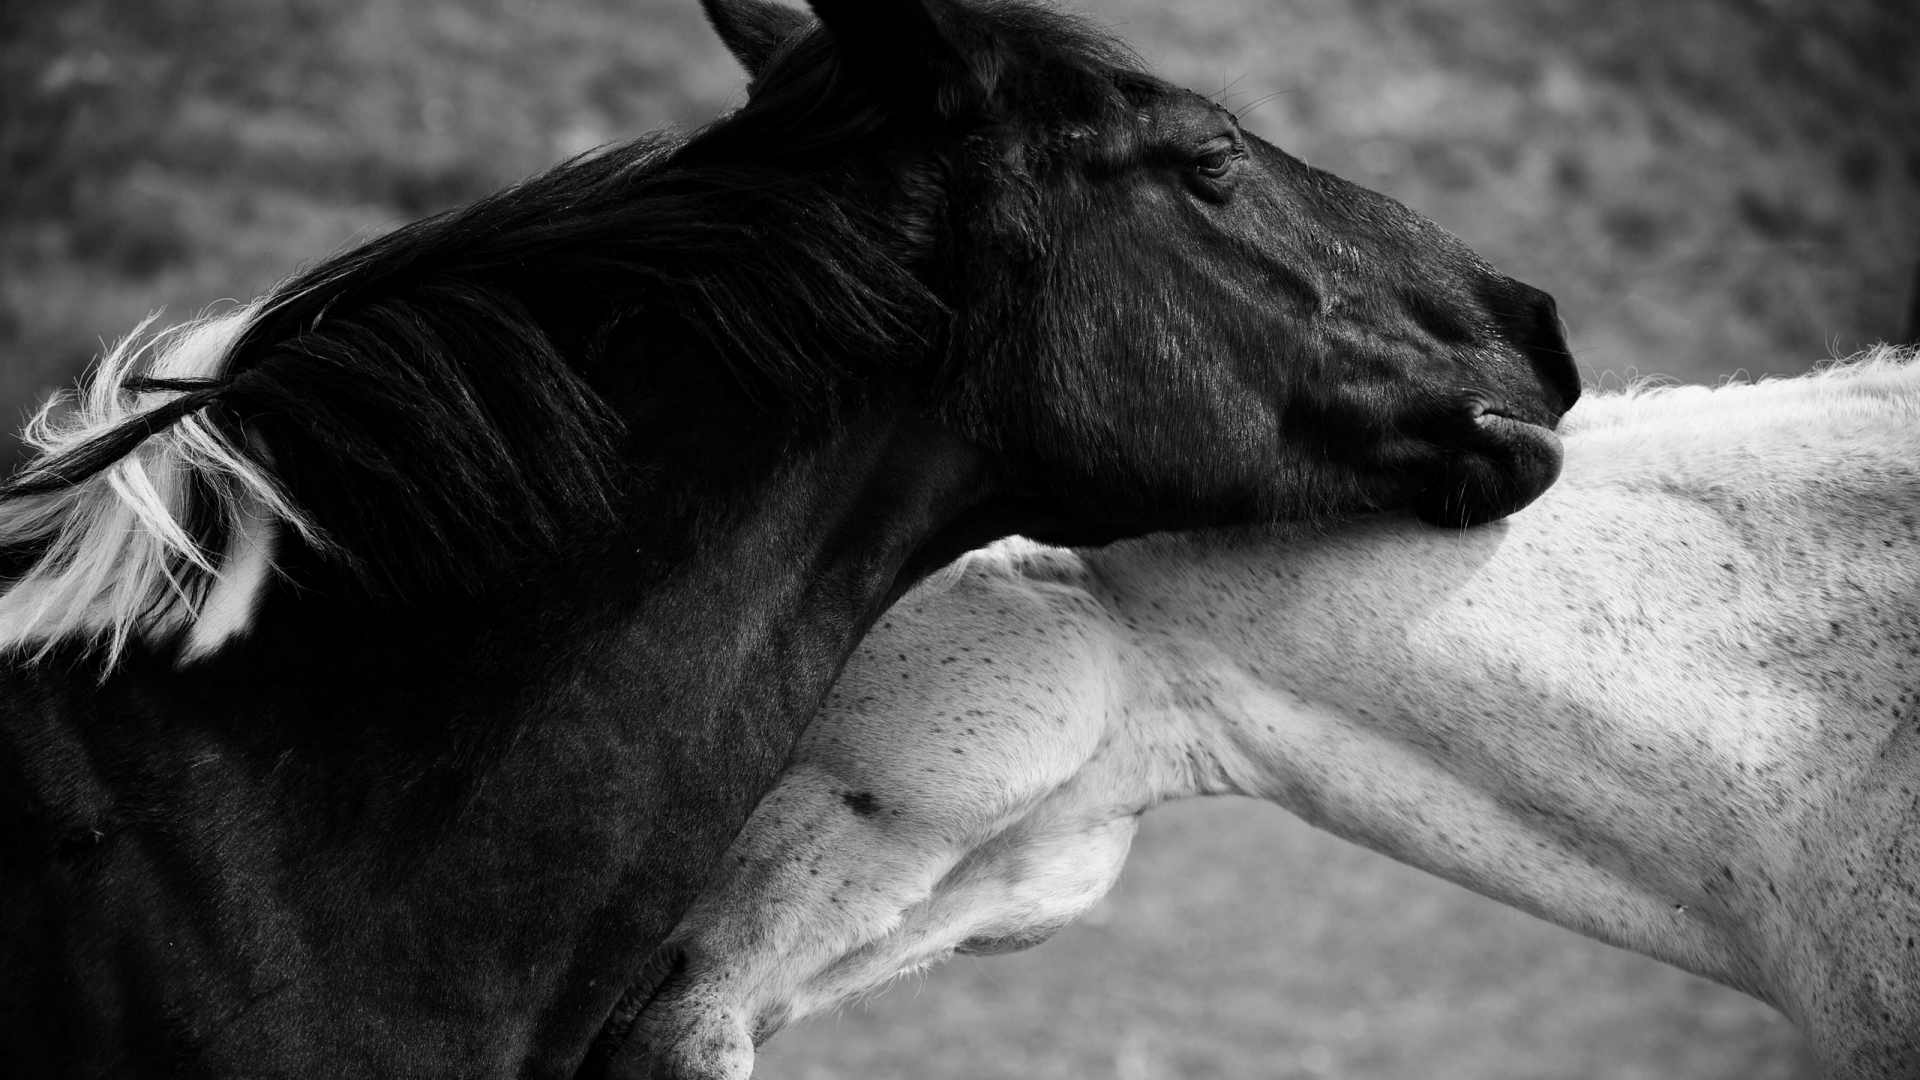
{"x":1675,"y":706}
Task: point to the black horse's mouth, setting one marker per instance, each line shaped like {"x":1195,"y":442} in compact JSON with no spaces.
{"x":1490,"y":467}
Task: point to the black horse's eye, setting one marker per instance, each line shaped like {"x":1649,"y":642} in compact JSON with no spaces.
{"x":1216,"y":159}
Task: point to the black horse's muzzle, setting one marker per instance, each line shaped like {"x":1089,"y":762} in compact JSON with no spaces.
{"x":1487,"y":471}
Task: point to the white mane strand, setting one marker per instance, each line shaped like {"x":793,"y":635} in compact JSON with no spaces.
{"x":117,"y":559}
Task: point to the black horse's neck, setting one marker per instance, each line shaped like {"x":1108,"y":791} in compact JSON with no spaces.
{"x":342,"y":812}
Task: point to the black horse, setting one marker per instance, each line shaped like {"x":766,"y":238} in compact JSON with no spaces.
{"x":391,"y":661}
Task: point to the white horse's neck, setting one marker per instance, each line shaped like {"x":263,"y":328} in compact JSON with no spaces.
{"x":1669,"y":706}
{"x":1673,"y":705}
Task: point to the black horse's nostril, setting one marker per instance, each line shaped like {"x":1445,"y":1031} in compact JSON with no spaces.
{"x":1529,"y":320}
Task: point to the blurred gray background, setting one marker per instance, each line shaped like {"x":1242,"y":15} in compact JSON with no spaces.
{"x":1710,"y":187}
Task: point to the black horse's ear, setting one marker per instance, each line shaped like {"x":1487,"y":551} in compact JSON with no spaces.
{"x":753,"y":29}
{"x":932,"y":53}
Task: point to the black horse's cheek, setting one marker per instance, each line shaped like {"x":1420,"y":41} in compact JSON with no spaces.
{"x":1509,"y":466}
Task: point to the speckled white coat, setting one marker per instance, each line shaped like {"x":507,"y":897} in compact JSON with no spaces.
{"x":1674,"y":705}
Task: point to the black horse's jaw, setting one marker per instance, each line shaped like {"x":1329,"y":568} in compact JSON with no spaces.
{"x":1500,"y":465}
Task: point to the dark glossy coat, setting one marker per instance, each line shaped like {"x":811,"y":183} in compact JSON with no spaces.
{"x":616,"y":467}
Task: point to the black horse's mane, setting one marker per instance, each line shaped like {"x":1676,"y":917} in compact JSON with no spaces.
{"x":428,"y":399}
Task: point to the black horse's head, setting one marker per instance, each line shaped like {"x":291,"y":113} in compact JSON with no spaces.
{"x":1155,"y":319}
